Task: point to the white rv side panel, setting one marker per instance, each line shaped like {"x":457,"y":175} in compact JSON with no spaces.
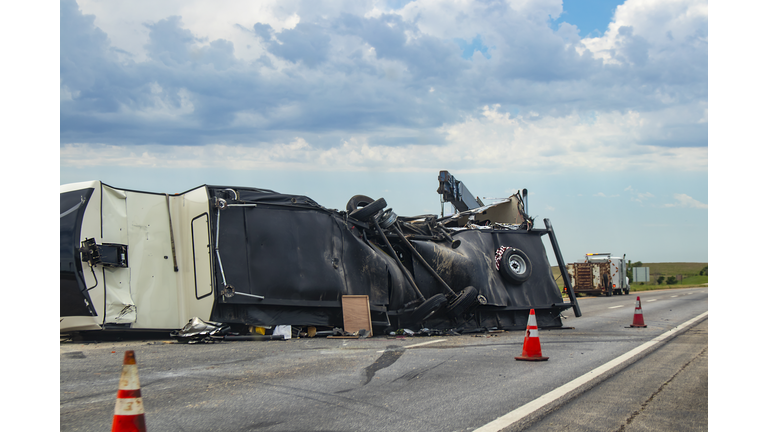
{"x":153,"y":280}
{"x":114,"y":223}
{"x":192,"y":238}
{"x":120,"y":306}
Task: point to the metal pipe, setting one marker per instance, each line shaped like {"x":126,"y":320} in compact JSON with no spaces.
{"x":170,"y":225}
{"x":525,"y":201}
{"x":397,"y":260}
{"x":249,"y":295}
{"x":624,"y":272}
{"x":216,"y":249}
{"x":218,"y":258}
{"x":423,"y":261}
{"x":563,"y":269}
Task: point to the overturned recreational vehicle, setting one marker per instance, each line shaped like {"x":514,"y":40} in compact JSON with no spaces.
{"x":134,"y":260}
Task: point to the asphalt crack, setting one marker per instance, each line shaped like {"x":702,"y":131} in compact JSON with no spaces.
{"x":660,"y":389}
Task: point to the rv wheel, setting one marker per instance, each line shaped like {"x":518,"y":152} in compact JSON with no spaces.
{"x":515,"y":266}
{"x":428,"y":308}
{"x":466,"y":299}
{"x":358,"y":201}
{"x":365,"y":213}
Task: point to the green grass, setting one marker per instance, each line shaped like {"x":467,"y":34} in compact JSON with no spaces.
{"x":695,"y":280}
{"x":673,"y":269}
{"x":661,"y":287}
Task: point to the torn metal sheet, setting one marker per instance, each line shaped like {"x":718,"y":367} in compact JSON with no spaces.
{"x":197,"y":330}
{"x":253,"y":257}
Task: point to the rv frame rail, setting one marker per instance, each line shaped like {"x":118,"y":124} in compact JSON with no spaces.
{"x":563,"y":269}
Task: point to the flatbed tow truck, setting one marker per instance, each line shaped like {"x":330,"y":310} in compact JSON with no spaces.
{"x":600,"y":274}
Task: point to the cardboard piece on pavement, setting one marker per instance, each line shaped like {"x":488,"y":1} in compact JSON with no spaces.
{"x":357,"y":313}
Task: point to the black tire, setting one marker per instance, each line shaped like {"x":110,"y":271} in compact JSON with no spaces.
{"x":466,"y":299}
{"x":515,"y":266}
{"x":428,"y":308}
{"x":607,"y":284}
{"x":364,"y":213}
{"x":358,"y":201}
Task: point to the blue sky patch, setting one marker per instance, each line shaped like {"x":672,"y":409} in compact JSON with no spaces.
{"x":590,"y":16}
{"x":468,"y":49}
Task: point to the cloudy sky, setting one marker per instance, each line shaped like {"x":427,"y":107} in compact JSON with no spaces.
{"x":599,"y":108}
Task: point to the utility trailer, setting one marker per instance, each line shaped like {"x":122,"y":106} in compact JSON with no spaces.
{"x":248,"y":257}
{"x":600,"y":273}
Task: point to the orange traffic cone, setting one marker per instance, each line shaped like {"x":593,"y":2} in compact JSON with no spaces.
{"x":638,"y":320}
{"x":531,"y":345}
{"x":129,"y":410}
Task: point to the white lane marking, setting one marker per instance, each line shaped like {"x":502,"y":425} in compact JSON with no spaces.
{"x":674,"y":296}
{"x":424,"y":343}
{"x":650,"y":300}
{"x":420,"y":344}
{"x":614,"y":307}
{"x":518,"y":414}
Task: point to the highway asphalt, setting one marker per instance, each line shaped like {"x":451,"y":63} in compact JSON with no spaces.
{"x":454,"y":383}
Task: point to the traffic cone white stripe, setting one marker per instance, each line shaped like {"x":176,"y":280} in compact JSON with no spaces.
{"x":532,"y":320}
{"x":129,"y":406}
{"x":129,"y":380}
{"x":533,"y":333}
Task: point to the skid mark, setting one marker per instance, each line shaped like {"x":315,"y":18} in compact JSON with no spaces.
{"x":387,"y":359}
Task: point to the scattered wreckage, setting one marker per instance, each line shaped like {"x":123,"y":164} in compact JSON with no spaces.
{"x":246,"y":257}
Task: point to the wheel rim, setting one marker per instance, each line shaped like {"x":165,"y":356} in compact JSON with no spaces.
{"x":517,"y":264}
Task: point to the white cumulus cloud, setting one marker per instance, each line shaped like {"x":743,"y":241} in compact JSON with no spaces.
{"x":684,"y":200}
